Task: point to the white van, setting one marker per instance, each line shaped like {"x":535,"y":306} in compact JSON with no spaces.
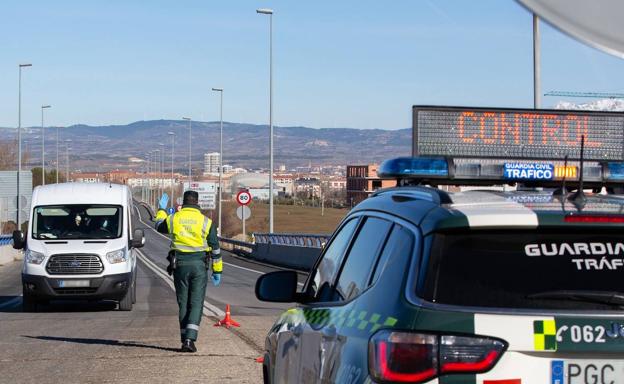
{"x":79,"y":245}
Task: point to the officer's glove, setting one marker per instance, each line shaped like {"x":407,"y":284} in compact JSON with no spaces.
{"x":171,"y":257}
{"x":164,"y":200}
{"x":216,"y":279}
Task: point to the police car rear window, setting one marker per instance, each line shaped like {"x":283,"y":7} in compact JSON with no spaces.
{"x":525,"y":269}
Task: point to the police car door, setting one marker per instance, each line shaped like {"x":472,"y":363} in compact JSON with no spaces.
{"x":290,"y":353}
{"x":324,"y":339}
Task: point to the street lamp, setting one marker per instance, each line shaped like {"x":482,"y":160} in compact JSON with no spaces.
{"x":172,"y":147}
{"x":19,"y":140}
{"x":220,"y":90}
{"x":190,"y":139}
{"x":266,"y":11}
{"x":161,"y":166}
{"x":67,"y":143}
{"x":43,"y":145}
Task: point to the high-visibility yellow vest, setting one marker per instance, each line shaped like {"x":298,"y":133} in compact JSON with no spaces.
{"x":189,"y":230}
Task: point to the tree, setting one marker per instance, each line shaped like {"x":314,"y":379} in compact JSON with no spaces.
{"x":50,"y":177}
{"x":8,"y":155}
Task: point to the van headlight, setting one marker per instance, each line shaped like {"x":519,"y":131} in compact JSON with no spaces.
{"x":118,"y":256}
{"x":33,"y":257}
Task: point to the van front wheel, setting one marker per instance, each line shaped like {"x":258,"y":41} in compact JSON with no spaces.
{"x":29,"y":303}
{"x":125,"y":304}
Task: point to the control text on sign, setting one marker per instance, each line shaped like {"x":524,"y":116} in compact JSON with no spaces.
{"x":517,"y":133}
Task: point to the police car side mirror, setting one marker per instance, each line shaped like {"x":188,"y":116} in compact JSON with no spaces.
{"x":18,"y":240}
{"x":278,"y":287}
{"x":138,"y":238}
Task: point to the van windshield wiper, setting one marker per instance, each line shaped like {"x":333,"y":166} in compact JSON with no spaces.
{"x":614,"y":298}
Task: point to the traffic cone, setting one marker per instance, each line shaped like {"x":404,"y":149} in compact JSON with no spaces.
{"x":227,"y":321}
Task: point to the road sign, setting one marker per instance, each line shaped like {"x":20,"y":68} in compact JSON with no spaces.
{"x":243,"y":198}
{"x":243,"y":212}
{"x":201,"y":186}
{"x":207,"y":193}
{"x":207,"y":200}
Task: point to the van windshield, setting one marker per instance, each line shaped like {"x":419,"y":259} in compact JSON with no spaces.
{"x":545,"y":269}
{"x":77,"y":222}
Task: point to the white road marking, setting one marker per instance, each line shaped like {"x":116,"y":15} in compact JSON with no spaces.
{"x":11,"y":302}
{"x":208,"y":310}
{"x":228,"y":264}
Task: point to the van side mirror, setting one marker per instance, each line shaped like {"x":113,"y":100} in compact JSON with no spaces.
{"x":138,"y":238}
{"x":19,"y":241}
{"x":278,"y":287}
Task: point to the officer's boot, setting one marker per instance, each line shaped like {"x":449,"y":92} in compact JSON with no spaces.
{"x":188,"y":346}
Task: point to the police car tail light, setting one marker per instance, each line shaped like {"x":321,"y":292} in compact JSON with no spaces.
{"x":593,"y":219}
{"x":402,"y":357}
{"x":469,"y":354}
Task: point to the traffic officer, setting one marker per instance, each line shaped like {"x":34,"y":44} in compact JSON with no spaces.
{"x":193,"y":237}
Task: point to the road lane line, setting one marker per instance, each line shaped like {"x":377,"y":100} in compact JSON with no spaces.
{"x":11,"y":302}
{"x":208,"y":310}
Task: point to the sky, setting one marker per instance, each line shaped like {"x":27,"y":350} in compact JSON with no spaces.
{"x":350,"y":63}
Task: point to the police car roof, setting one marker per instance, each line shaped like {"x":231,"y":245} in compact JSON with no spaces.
{"x":433,"y":209}
{"x":80,"y":193}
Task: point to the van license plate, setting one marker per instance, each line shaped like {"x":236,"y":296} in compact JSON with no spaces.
{"x":587,"y":371}
{"x":73,"y":283}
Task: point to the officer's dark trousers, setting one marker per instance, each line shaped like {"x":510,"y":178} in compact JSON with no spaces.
{"x":190,"y":278}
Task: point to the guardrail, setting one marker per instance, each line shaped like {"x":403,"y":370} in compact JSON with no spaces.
{"x":292,"y":239}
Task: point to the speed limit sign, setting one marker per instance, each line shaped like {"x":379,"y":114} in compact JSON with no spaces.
{"x":243,"y":198}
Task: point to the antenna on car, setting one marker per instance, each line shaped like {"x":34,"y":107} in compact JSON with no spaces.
{"x":579,"y":198}
{"x":565,"y":173}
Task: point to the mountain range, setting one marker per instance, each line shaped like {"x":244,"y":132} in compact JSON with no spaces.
{"x":101,"y":148}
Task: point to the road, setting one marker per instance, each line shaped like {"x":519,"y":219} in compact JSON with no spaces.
{"x":75,"y":342}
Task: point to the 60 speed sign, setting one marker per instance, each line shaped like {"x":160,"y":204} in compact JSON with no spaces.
{"x":243,"y":198}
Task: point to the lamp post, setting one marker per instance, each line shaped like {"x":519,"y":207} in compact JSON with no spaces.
{"x":19,"y":140}
{"x":67,"y":143}
{"x":161,"y":166}
{"x":537,"y":96}
{"x":190,"y":150}
{"x":172,"y":149}
{"x":266,"y":11}
{"x":220,"y":90}
{"x":43,"y":107}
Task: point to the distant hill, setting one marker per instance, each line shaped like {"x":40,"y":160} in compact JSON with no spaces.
{"x":245,"y":145}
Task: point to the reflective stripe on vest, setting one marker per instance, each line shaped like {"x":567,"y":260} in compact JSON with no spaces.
{"x":189,"y":230}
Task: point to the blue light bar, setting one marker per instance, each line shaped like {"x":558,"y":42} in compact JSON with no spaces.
{"x":414,"y":167}
{"x":616,"y":171}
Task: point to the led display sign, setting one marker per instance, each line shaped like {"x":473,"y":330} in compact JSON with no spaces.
{"x":517,"y":133}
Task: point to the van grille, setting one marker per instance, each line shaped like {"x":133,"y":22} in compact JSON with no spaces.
{"x":78,"y":264}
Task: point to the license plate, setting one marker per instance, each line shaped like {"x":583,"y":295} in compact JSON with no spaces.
{"x":587,"y":371}
{"x":73,"y":283}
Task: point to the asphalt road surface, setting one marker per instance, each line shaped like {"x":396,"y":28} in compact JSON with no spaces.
{"x":78,"y":342}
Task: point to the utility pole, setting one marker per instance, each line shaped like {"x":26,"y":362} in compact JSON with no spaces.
{"x":265,"y":11}
{"x":220,"y":90}
{"x":43,"y":107}
{"x":537,"y":77}
{"x":19,"y":142}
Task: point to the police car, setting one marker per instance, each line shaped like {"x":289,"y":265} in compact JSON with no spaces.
{"x":422,"y":285}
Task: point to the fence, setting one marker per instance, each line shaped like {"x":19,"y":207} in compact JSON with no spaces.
{"x":293,"y":239}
